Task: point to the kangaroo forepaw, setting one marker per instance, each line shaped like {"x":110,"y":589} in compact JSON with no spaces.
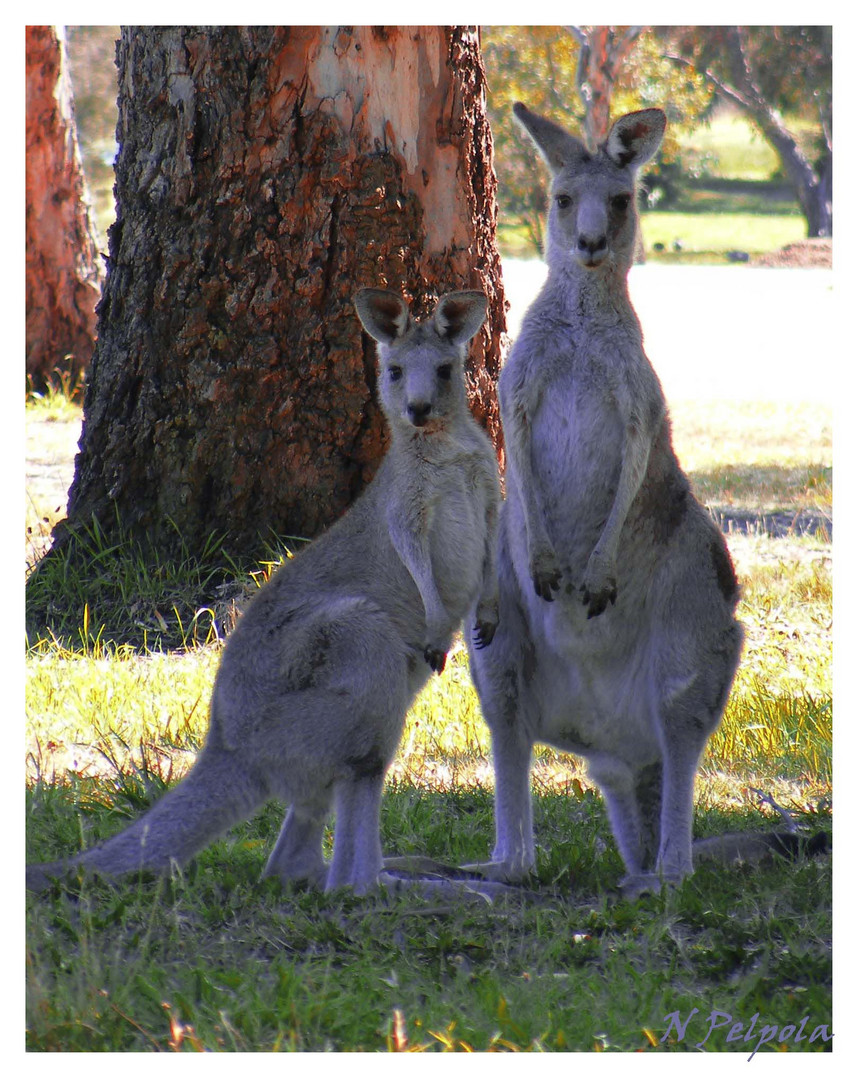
{"x":546,"y":586}
{"x":435,"y":658}
{"x":547,"y":581}
{"x":599,"y":587}
{"x":597,"y":602}
{"x":546,"y":575}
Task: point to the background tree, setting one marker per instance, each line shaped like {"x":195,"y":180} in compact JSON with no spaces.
{"x":603,"y":51}
{"x":63,"y":272}
{"x":264,"y":175}
{"x":768,"y":72}
{"x":544,"y":67}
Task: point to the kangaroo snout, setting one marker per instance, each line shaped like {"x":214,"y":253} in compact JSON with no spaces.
{"x":418,"y":412}
{"x":591,"y":250}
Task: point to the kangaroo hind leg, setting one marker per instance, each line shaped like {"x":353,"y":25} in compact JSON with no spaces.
{"x":633,"y":799}
{"x":687,"y":718}
{"x":346,"y":728}
{"x":297,"y":854}
{"x":504,"y":675}
{"x":357,"y":858}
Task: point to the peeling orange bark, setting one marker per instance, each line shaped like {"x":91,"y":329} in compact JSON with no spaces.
{"x":63,"y":275}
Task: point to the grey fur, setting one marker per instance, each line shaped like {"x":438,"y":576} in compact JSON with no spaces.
{"x":310,"y":697}
{"x":616,"y":638}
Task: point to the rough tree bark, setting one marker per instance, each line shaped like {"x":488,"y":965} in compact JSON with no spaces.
{"x":264,"y":175}
{"x":63,"y":273}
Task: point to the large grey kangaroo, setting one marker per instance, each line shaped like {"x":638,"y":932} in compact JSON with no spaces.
{"x":617,"y":639}
{"x":312,"y":691}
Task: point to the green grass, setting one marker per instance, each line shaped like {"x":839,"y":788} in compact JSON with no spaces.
{"x":120,"y":589}
{"x":729,"y":200}
{"x":214,"y":959}
{"x":706,"y":238}
{"x":767,"y":456}
{"x":58,"y":402}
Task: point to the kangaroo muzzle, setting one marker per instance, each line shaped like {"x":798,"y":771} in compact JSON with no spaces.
{"x":418,"y":412}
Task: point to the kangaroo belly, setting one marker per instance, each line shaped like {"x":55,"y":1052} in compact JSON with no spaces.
{"x":576,"y":444}
{"x":597,"y":706}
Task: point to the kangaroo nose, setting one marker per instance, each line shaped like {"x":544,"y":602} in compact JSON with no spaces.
{"x":418,"y":411}
{"x":591,"y":245}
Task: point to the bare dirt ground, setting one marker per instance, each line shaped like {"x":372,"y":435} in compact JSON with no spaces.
{"x":50,"y":448}
{"x":813,"y":253}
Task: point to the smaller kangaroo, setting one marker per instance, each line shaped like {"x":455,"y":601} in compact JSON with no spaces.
{"x":311,"y":694}
{"x":617,"y":639}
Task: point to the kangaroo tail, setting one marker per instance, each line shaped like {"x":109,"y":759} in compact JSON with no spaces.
{"x":753,"y":847}
{"x":217,"y":793}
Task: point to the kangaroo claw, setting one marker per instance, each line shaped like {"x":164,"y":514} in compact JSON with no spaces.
{"x":484,"y":632}
{"x":597,"y":602}
{"x":546,"y":585}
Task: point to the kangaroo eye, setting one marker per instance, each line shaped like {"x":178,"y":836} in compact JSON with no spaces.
{"x":444,"y":372}
{"x":563,"y":201}
{"x":395,"y":374}
{"x":620,"y":203}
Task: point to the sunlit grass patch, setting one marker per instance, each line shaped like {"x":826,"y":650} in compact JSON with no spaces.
{"x":765,"y":488}
{"x":90,"y":712}
{"x":789,"y":734}
{"x":707,"y":238}
{"x":710,"y":435}
{"x":757,"y":456}
{"x":61,"y":399}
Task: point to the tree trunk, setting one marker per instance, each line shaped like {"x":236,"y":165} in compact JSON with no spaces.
{"x":63,"y":274}
{"x":602,"y":52}
{"x":265,"y":174}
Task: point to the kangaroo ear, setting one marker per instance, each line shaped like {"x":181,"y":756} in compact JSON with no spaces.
{"x":635,"y":138}
{"x":384,"y":315}
{"x":556,"y":146}
{"x":460,"y":315}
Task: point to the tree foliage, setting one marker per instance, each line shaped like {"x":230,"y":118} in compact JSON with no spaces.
{"x":92,"y":67}
{"x":540,"y":65}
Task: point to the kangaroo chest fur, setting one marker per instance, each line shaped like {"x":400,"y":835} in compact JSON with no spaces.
{"x":449,"y":485}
